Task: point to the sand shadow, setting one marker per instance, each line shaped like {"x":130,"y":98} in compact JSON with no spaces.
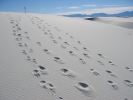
{"x":48,"y":86}
{"x":86,"y":89}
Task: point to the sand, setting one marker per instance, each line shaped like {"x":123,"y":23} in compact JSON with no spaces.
{"x":55,"y":42}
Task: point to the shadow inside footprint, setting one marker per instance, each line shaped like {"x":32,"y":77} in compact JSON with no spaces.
{"x":59,"y":60}
{"x":48,"y":86}
{"x":42,"y":69}
{"x":128,"y":83}
{"x":36,"y":73}
{"x":60,"y":38}
{"x":85,"y":49}
{"x":101,"y":55}
{"x":63,"y":46}
{"x":111,"y":63}
{"x":24,"y":52}
{"x":20,"y":44}
{"x":82,"y":61}
{"x":111,"y":73}
{"x":131,"y":70}
{"x":48,"y":52}
{"x":100,"y":62}
{"x":76,"y":48}
{"x":18,"y":39}
{"x":39,"y":43}
{"x":66,"y":43}
{"x":55,"y":41}
{"x":94,"y":72}
{"x":113,"y":85}
{"x":86,"y":89}
{"x":79,"y":42}
{"x":72,"y":53}
{"x":69,"y":73}
{"x":86,"y":55}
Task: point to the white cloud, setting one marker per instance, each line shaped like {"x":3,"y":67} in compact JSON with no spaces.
{"x":89,"y":5}
{"x":75,"y":7}
{"x":109,"y":10}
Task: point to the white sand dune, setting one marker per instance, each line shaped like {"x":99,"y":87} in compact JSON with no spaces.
{"x":126,"y":22}
{"x":35,"y":47}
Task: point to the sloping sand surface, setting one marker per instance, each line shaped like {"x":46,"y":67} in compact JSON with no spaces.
{"x":126,"y":22}
{"x":35,"y":47}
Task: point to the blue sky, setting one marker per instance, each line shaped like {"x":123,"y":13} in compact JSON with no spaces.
{"x":63,"y":7}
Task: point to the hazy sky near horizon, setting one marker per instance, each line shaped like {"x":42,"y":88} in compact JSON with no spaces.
{"x":67,"y":6}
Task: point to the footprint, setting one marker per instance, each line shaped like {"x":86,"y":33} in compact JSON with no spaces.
{"x":71,"y":37}
{"x":86,"y":89}
{"x":72,"y":53}
{"x":27,"y":37}
{"x":63,"y":46}
{"x":46,"y":33}
{"x":55,"y":41}
{"x":59,"y":60}
{"x":31,"y":50}
{"x":82,"y":61}
{"x":85,"y":49}
{"x":12,"y":22}
{"x":101,"y":55}
{"x":36,"y":73}
{"x":113,"y":85}
{"x":25,"y":45}
{"x":42,"y":69}
{"x":76,"y":48}
{"x":48,"y":51}
{"x":50,"y":34}
{"x":48,"y":30}
{"x":111,"y":73}
{"x":18,"y":39}
{"x":128,"y":83}
{"x":48,"y":86}
{"x":16,"y":25}
{"x":131,"y":70}
{"x":28,"y":58}
{"x":14,"y":31}
{"x":24,"y":52}
{"x":19,"y":29}
{"x":20,"y":44}
{"x":19,"y":35}
{"x":39,"y":43}
{"x":66,"y":43}
{"x":69,"y":73}
{"x":34,"y":61}
{"x":79,"y":42}
{"x":100,"y":62}
{"x":86,"y":55}
{"x":60,"y":98}
{"x":111,"y":63}
{"x":60,"y":38}
{"x":26,"y":32}
{"x":94,"y":72}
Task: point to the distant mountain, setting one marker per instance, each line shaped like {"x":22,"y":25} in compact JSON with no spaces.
{"x":99,"y":15}
{"x":76,"y":15}
{"x":122,"y":14}
{"x":127,"y":13}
